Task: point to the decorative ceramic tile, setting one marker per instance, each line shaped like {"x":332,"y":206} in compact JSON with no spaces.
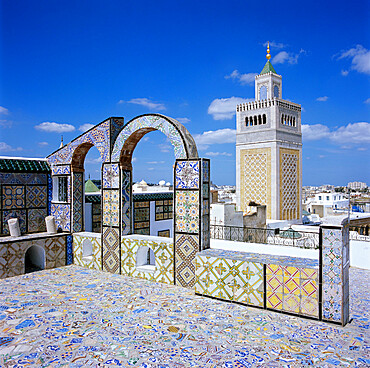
{"x":92,"y":261}
{"x":50,"y":193}
{"x":98,"y":136}
{"x":36,"y":196}
{"x":13,"y":197}
{"x":61,"y":212}
{"x":111,"y":250}
{"x":36,"y":220}
{"x":111,"y":176}
{"x":187,"y":211}
{"x":126,"y":202}
{"x":164,"y":259}
{"x":110,"y":208}
{"x":205,"y":168}
{"x":205,"y":190}
{"x":167,"y":126}
{"x":187,"y":174}
{"x":20,"y":214}
{"x":61,"y":170}
{"x":23,"y":178}
{"x":55,"y":251}
{"x":77,"y":203}
{"x":332,"y":270}
{"x":186,"y":247}
{"x":69,"y":250}
{"x":206,"y":207}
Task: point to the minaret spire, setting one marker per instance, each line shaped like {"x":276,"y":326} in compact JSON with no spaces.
{"x":268,"y":56}
{"x":61,"y":142}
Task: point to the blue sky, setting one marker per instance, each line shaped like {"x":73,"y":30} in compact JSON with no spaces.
{"x":68,"y":64}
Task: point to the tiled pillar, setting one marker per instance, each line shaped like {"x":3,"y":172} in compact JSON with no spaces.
{"x":335,"y":273}
{"x":61,"y":211}
{"x":77,"y":201}
{"x":111,"y":218}
{"x":191,"y":216}
{"x":126,"y":202}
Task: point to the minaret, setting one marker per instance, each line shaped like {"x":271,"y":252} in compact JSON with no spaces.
{"x":61,"y":142}
{"x":269,"y":149}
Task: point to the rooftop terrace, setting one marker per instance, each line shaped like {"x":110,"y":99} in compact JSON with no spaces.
{"x":77,"y":317}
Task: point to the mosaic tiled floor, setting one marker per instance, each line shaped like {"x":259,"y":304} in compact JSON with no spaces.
{"x":77,"y":317}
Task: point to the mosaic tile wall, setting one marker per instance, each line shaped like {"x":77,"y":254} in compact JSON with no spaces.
{"x":62,"y":215}
{"x":230,"y":279}
{"x":164,"y":258}
{"x":77,"y":201}
{"x":126,"y":210}
{"x":335,"y":274}
{"x":12,"y":254}
{"x":24,"y":196}
{"x":292,"y":289}
{"x":98,"y":136}
{"x":191,"y":223}
{"x":111,"y":207}
{"x":167,"y":126}
{"x":94,"y":261}
{"x":292,"y":284}
{"x":111,"y":249}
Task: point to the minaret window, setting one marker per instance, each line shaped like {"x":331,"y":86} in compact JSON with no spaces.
{"x":276,"y":91}
{"x":259,"y":120}
{"x":246,"y":121}
{"x":263,"y":93}
{"x":264,"y":119}
{"x":255,"y":120}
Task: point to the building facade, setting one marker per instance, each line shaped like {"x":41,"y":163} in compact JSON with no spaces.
{"x":269,"y":149}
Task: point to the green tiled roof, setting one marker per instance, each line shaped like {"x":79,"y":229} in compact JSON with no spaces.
{"x":152,"y":196}
{"x":90,"y":187}
{"x":268,"y":68}
{"x":16,"y":165}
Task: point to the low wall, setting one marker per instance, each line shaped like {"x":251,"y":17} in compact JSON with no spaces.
{"x":163,"y":271}
{"x":13,"y":251}
{"x":279,"y":283}
{"x":93,"y":261}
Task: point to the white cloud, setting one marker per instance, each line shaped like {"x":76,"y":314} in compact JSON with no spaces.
{"x":164,"y":147}
{"x":155,"y":162}
{"x":85,"y":127}
{"x":43,"y":144}
{"x":6,"y":148}
{"x":344,"y":73}
{"x":145,"y":102}
{"x":4,"y":110}
{"x":314,"y":132}
{"x":225,"y":108}
{"x":356,"y":133}
{"x":360,"y":58}
{"x":219,"y":136}
{"x":243,"y":79}
{"x":286,"y":57}
{"x":55,"y":127}
{"x":6,"y":123}
{"x":93,"y":160}
{"x":322,"y":99}
{"x":183,"y":120}
{"x":215,"y":154}
{"x":352,"y":133}
{"x":367,"y":101}
{"x":276,"y":45}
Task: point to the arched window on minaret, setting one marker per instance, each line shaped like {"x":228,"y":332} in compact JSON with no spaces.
{"x":263,"y":93}
{"x":259,"y":120}
{"x":255,"y":119}
{"x":246,"y":121}
{"x":264,"y":119}
{"x":276,"y":91}
{"x":250,"y":121}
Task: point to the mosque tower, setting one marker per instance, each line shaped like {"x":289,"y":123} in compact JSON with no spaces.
{"x":269,"y":149}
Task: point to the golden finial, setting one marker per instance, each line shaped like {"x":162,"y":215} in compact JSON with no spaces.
{"x":268,"y":56}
